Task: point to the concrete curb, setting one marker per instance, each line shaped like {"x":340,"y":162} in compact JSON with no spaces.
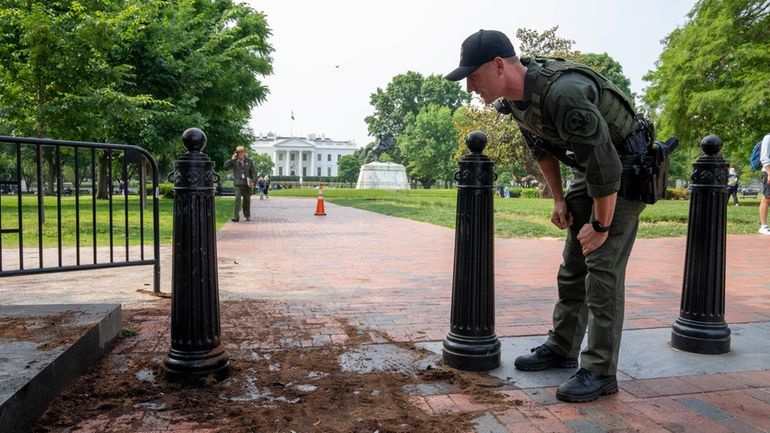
{"x":31,"y":377}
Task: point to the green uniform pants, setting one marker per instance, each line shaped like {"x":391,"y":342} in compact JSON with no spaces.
{"x":245,"y":192}
{"x":592,"y":288}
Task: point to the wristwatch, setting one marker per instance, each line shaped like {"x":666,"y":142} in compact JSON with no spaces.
{"x":599,"y":228}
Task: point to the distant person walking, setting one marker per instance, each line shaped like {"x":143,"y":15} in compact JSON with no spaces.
{"x":732,"y":185}
{"x":764,"y":158}
{"x":261,"y":187}
{"x":267,"y":187}
{"x":243,"y":181}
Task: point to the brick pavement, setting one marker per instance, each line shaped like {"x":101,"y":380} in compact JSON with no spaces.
{"x":393,"y":277}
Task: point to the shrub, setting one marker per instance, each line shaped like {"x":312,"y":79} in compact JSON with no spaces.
{"x":166,"y":190}
{"x":530,"y":193}
{"x":677,"y":194}
{"x":515,"y":192}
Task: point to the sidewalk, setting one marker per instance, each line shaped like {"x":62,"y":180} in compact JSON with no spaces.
{"x":334,"y":323}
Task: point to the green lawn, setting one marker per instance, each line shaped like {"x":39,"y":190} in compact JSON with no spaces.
{"x":9,"y":219}
{"x":516,"y":217}
{"x":520,"y":217}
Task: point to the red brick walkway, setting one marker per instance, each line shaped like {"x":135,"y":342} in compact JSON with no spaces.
{"x":394,"y":276}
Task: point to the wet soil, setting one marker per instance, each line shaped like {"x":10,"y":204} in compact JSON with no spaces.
{"x":275,"y":385}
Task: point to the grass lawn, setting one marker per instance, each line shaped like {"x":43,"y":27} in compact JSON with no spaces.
{"x":520,"y":217}
{"x":9,"y":220}
{"x":516,"y":217}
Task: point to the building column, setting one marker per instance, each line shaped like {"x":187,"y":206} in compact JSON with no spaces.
{"x":287,"y":170}
{"x":275,"y":163}
{"x":312,"y":162}
{"x":299,"y":163}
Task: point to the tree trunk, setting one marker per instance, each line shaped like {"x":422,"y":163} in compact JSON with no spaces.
{"x":50,"y":162}
{"x":426,"y":183}
{"x":532,"y":169}
{"x":102,"y":193}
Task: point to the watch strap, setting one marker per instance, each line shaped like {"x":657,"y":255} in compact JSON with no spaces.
{"x":598,"y":227}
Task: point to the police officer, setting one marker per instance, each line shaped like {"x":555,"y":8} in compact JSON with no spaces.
{"x":569,"y":113}
{"x":243,"y":181}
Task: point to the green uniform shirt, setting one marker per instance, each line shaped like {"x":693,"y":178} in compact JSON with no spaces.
{"x":571,"y":120}
{"x":242,"y":171}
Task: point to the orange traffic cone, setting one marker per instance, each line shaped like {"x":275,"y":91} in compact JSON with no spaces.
{"x":319,"y":207}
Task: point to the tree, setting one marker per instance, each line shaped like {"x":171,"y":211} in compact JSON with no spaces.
{"x":348,"y":168}
{"x":428,"y":143}
{"x":406,"y":95}
{"x":712,"y":77}
{"x":132,"y":71}
{"x":263,"y":164}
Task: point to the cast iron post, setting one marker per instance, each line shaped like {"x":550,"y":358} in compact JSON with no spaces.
{"x":196,"y":350}
{"x":471,"y":344}
{"x":701,"y":326}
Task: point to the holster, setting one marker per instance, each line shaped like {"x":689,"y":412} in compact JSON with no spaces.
{"x":645,"y":165}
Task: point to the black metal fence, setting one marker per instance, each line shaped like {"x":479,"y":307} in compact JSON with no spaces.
{"x":36,"y":172}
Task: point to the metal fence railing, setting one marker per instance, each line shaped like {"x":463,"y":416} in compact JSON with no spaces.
{"x":96,"y":223}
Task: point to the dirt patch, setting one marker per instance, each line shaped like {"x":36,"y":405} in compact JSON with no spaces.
{"x":48,"y":331}
{"x":276,"y":384}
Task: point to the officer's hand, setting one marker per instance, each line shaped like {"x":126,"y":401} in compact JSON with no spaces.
{"x":590,"y":239}
{"x":235,"y":155}
{"x":561,"y":217}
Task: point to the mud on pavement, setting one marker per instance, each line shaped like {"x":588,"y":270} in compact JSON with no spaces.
{"x":287,"y":375}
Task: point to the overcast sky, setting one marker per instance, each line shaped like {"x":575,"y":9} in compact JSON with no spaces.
{"x":331,"y":55}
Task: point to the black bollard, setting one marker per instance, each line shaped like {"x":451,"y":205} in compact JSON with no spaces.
{"x":701,"y":327}
{"x":471,"y":344}
{"x":196,"y":349}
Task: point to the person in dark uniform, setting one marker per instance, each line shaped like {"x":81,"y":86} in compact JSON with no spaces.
{"x":569,"y":113}
{"x":243,"y":180}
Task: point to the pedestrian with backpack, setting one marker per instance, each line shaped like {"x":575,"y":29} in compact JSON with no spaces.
{"x":764,"y":160}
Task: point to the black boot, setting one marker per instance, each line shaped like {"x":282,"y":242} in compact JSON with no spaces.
{"x":542,"y":358}
{"x":585,"y":386}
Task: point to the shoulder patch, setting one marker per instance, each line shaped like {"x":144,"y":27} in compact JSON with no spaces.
{"x":580,"y":122}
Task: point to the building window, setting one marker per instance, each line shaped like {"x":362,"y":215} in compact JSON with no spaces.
{"x":304,"y":171}
{"x":329,"y":171}
{"x":280,"y":156}
{"x":304,"y":156}
{"x":291,"y":157}
{"x":319,"y":158}
{"x":319,"y":169}
{"x":280,"y":171}
{"x":338,"y":157}
{"x":329,"y":157}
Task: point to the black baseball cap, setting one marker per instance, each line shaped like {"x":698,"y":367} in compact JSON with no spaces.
{"x":480,"y":48}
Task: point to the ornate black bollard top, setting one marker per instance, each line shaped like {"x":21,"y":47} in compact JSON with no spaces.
{"x":194,"y":139}
{"x":476,"y":142}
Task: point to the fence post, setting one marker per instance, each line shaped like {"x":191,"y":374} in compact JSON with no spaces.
{"x":196,"y":349}
{"x":701,"y":327}
{"x":471,"y":344}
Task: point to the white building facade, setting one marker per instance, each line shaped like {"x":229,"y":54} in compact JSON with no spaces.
{"x":303,"y":156}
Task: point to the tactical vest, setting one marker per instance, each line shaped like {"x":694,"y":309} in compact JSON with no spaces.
{"x":617,"y":110}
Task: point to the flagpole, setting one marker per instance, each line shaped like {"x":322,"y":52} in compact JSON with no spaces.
{"x":291,"y":128}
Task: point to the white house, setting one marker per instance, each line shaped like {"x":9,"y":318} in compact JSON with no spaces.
{"x":303,"y":156}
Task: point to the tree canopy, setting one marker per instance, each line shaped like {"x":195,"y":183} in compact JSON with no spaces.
{"x":132,"y":71}
{"x":713,"y":78}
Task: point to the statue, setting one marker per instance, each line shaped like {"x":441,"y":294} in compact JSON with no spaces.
{"x":382,"y":175}
{"x":385,"y":142}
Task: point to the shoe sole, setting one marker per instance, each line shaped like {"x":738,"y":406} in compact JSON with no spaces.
{"x":567,"y":364}
{"x":608,"y":389}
